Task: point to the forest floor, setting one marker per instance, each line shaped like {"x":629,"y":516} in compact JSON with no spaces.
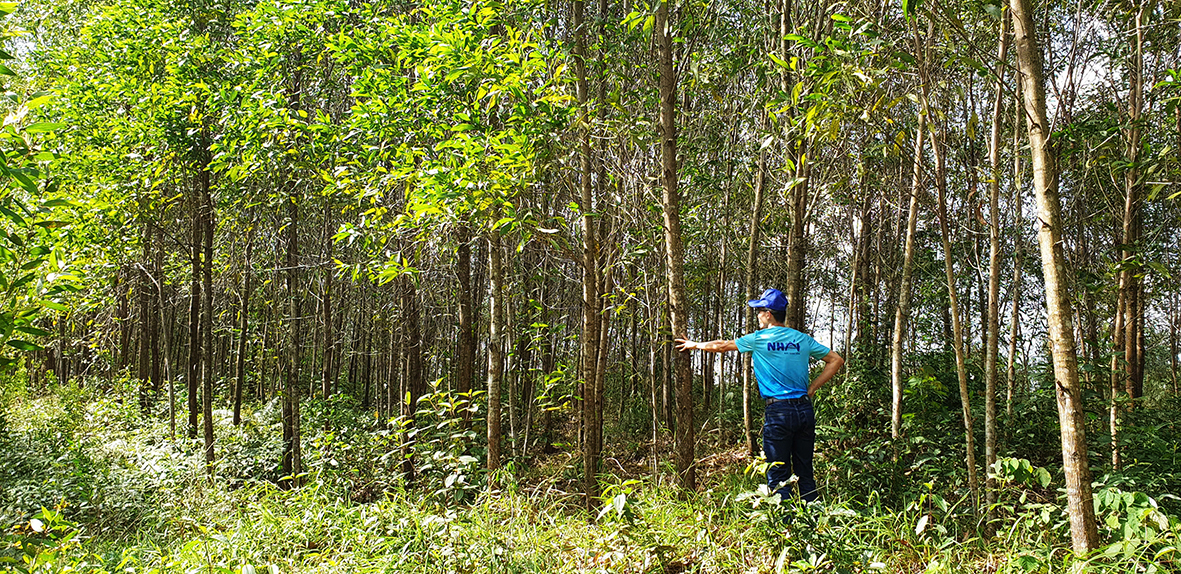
{"x":116,"y":494}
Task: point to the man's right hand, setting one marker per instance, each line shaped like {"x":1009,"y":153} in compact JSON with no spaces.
{"x":685,"y":345}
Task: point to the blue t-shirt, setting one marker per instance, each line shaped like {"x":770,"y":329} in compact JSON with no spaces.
{"x":780,"y":361}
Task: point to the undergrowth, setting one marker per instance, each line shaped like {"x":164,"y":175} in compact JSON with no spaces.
{"x":87,"y":484}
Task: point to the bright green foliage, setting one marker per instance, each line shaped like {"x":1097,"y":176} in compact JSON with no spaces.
{"x":453,"y":100}
{"x":33,"y":272}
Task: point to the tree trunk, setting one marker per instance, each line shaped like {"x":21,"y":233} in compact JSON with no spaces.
{"x":413,"y":381}
{"x":756,"y":217}
{"x":144,"y":316}
{"x":903,"y":311}
{"x":328,"y":333}
{"x":207,"y":319}
{"x":1174,"y":319}
{"x":994,"y":275}
{"x":292,"y":462}
{"x":243,"y":326}
{"x":1080,"y":506}
{"x":193,"y":374}
{"x":938,"y":145}
{"x":591,"y":274}
{"x":674,"y":249}
{"x":495,"y":348}
{"x":1118,"y":371}
{"x":1018,"y":263}
{"x":1130,"y":283}
{"x":467,"y":332}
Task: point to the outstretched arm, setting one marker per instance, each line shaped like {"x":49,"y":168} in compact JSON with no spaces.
{"x":718,"y":346}
{"x":832,"y":363}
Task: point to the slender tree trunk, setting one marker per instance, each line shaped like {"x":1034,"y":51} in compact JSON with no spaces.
{"x":207,"y":364}
{"x":1118,"y":372}
{"x":193,"y":375}
{"x":957,"y":337}
{"x":413,"y":381}
{"x":123,"y":316}
{"x":243,"y":328}
{"x":903,"y":311}
{"x":292,"y":462}
{"x":328,"y":333}
{"x":157,"y":303}
{"x":992,"y":345}
{"x":144,"y":316}
{"x":1080,"y":506}
{"x":495,"y":348}
{"x":1174,"y":319}
{"x":1018,"y":263}
{"x":674,"y":249}
{"x":749,"y":282}
{"x":591,"y":273}
{"x":466,"y":354}
{"x":1130,"y":282}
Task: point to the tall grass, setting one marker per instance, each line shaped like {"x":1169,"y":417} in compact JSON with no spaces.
{"x":91,"y":486}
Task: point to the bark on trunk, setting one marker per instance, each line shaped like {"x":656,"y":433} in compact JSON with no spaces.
{"x":495,"y":348}
{"x":674,"y":249}
{"x":145,"y":314}
{"x":193,"y":374}
{"x":292,"y":463}
{"x":902,"y":314}
{"x":243,"y":328}
{"x":1080,"y":506}
{"x":750,"y":284}
{"x":207,"y":364}
{"x":467,"y":333}
{"x":1130,"y":281}
{"x":328,"y":333}
{"x":413,"y":381}
{"x":591,"y":301}
{"x":957,"y":335}
{"x":1018,"y":262}
{"x":994,"y":275}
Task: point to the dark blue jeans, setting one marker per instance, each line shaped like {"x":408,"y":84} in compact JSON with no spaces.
{"x":789,"y":435}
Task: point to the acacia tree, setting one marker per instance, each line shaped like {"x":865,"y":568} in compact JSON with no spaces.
{"x":673,"y":244}
{"x":501,"y":95}
{"x":1083,"y":530}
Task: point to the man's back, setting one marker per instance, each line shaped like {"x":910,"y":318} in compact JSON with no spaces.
{"x":780,"y":360}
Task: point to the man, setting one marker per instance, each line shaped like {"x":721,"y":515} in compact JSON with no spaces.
{"x":780,"y":358}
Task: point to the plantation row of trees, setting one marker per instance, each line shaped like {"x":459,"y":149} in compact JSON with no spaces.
{"x":314,"y":199}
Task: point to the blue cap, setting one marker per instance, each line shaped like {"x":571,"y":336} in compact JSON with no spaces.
{"x":772,"y":299}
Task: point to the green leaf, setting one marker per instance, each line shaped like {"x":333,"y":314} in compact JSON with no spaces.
{"x":38,"y":100}
{"x":909,"y":7}
{"x":58,"y":203}
{"x":1043,"y":477}
{"x":13,"y":216}
{"x":23,"y":345}
{"x":43,"y":127}
{"x":25,"y":181}
{"x":34,"y":331}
